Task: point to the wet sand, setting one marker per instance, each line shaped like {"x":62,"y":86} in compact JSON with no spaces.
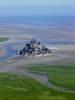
{"x":2,"y":52}
{"x":16,"y":65}
{"x":61,"y":54}
{"x":16,"y":33}
{"x":64,"y":32}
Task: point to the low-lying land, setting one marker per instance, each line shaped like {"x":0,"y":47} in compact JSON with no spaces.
{"x":14,"y":87}
{"x":2,"y":39}
{"x":59,"y":75}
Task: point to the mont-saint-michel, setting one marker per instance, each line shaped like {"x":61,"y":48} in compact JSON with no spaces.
{"x":37,"y":50}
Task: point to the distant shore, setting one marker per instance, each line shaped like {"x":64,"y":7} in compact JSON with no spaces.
{"x":2,"y":39}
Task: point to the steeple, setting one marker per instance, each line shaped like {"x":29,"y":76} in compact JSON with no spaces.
{"x":34,"y":43}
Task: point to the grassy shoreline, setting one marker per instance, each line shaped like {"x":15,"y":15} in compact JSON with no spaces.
{"x":59,"y":75}
{"x":13,"y":87}
{"x":2,"y":39}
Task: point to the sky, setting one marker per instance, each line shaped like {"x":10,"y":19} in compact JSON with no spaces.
{"x":36,"y":7}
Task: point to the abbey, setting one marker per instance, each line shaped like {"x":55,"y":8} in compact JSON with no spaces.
{"x":34,"y":47}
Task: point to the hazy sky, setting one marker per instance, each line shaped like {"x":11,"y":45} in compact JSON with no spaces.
{"x":37,"y":7}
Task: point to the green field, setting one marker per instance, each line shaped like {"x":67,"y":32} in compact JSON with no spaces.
{"x":2,"y":39}
{"x":60,"y":75}
{"x":14,"y":87}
